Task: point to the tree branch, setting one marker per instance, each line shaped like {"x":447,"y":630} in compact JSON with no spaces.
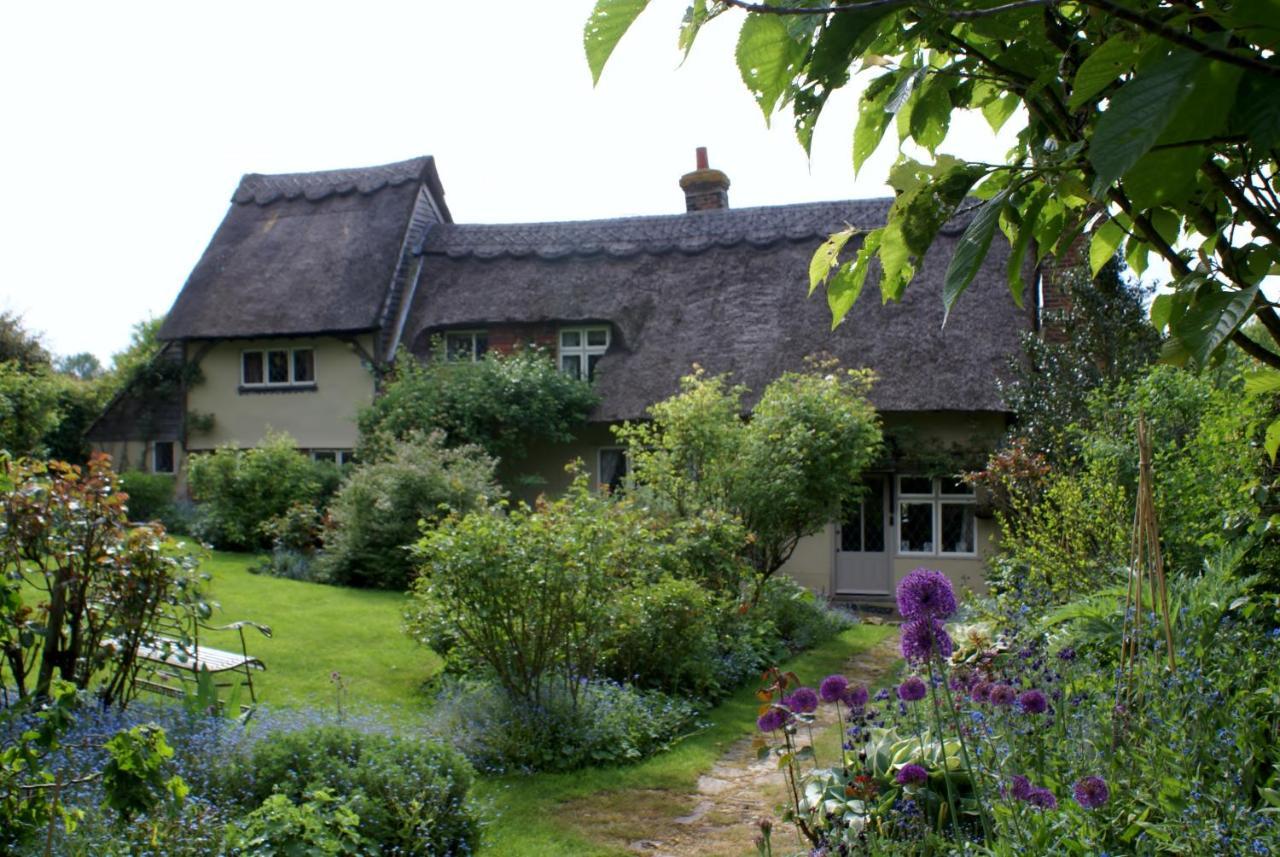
{"x":1149,"y":232}
{"x":1254,"y":350}
{"x":1171,"y":35}
{"x":864,"y":5}
{"x":1257,"y":219}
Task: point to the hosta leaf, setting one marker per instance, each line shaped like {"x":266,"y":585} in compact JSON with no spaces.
{"x":609,"y":20}
{"x":1102,"y":67}
{"x":1104,"y":244}
{"x":972,"y":249}
{"x":767,"y":59}
{"x":1139,"y":112}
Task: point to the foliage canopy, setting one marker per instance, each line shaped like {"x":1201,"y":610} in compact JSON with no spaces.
{"x":1155,"y":125}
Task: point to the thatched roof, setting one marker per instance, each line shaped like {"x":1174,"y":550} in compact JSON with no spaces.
{"x":310,"y":253}
{"x":726,"y":289}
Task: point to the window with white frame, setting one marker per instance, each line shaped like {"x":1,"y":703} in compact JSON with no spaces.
{"x":613,"y":468}
{"x":581,"y":349}
{"x":337,"y":456}
{"x":466,"y":345}
{"x":162,"y":457}
{"x":936,"y":517}
{"x":278,"y":367}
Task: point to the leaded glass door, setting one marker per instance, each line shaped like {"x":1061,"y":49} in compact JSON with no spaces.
{"x":862,"y":543}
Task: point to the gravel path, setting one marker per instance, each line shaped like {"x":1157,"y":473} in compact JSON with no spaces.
{"x":740,"y":789}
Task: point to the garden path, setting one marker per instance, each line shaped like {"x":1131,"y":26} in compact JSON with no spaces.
{"x":720,"y":818}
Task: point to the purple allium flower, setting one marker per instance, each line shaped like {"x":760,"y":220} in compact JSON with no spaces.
{"x":1042,"y":798}
{"x":922,"y":637}
{"x":926,"y":594}
{"x":912,"y":690}
{"x":1020,"y":788}
{"x":1091,"y":792}
{"x":856,"y":696}
{"x":772,"y":720}
{"x":981,"y":691}
{"x":911,"y":775}
{"x":832,"y":687}
{"x":1003,"y":694}
{"x":1033,"y":702}
{"x":803,"y":701}
{"x":1067,"y":654}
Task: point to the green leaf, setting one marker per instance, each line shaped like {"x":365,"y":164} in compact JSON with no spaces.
{"x":1271,"y":441}
{"x":1139,"y":112}
{"x":972,"y":249}
{"x":1103,"y":246}
{"x":1164,"y":177}
{"x":845,"y":287}
{"x":1211,"y":320}
{"x":895,"y":262}
{"x":768,"y":57}
{"x":1161,"y":308}
{"x":827,"y":257}
{"x":1257,"y":111}
{"x":1020,"y":244}
{"x":698,"y":13}
{"x":608,"y":21}
{"x":931,"y":113}
{"x":1262,"y":382}
{"x":1101,"y":68}
{"x":998,"y":110}
{"x":873,"y":118}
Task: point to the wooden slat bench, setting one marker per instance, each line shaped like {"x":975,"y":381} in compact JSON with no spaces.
{"x":171,"y":665}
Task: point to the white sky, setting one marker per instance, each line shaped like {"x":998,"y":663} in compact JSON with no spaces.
{"x":128,"y":125}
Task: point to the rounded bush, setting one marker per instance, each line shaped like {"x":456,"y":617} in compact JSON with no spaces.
{"x":410,"y":794}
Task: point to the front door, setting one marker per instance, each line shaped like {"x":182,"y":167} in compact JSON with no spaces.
{"x":862,"y":554}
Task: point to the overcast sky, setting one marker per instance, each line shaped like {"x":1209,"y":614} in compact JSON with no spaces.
{"x":128,"y":125}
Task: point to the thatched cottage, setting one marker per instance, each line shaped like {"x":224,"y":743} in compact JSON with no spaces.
{"x":314,"y":280}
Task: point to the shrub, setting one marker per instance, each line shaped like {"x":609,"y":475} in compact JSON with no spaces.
{"x":785,"y":473}
{"x":410,"y":794}
{"x":663,"y":636}
{"x":376,"y":516}
{"x":240,"y":490}
{"x":604,"y":724}
{"x":501,"y":403}
{"x":321,"y":825}
{"x":150,"y":494}
{"x":800,"y":619}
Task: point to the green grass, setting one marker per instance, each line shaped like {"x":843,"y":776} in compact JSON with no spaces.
{"x":528,"y":824}
{"x":317,"y":630}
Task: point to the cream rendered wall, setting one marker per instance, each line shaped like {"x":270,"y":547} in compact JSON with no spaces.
{"x":546,"y":463}
{"x":813,"y":563}
{"x":323,"y":418}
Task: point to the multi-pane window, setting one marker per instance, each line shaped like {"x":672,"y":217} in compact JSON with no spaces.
{"x":466,"y":345}
{"x":162,"y":456}
{"x":863,"y":528}
{"x":936,"y":516}
{"x":278,"y":367}
{"x":613,"y":468}
{"x":581,"y":349}
{"x":337,"y":456}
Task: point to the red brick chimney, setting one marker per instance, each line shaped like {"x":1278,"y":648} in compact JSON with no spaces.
{"x":704,"y":188}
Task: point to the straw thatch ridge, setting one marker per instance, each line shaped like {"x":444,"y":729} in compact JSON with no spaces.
{"x":725,"y":289}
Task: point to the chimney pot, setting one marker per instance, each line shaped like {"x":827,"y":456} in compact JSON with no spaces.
{"x":704,"y":188}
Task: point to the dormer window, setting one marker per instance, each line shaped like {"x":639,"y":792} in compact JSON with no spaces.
{"x":278,"y":367}
{"x":466,"y":345}
{"x":581,"y":349}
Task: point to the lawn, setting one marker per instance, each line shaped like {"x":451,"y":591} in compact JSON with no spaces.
{"x":318,"y":630}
